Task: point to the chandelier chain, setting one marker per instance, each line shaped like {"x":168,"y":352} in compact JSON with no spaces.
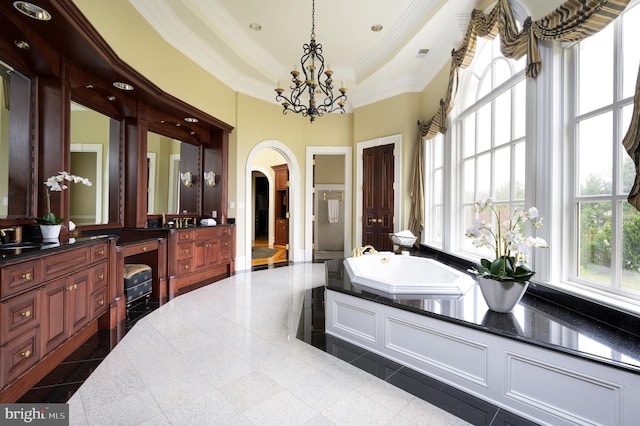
{"x":313,"y":19}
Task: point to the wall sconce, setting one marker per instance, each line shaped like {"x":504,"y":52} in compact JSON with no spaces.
{"x":210,"y":178}
{"x":187,"y":179}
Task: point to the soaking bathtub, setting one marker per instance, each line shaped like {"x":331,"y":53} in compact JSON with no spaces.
{"x":397,"y":275}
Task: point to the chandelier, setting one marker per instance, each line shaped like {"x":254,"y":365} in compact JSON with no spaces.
{"x":312,"y":64}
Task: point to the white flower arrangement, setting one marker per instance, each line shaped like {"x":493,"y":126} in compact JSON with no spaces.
{"x":510,"y":246}
{"x":58,"y":183}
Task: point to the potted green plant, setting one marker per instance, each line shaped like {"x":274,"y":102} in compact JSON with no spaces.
{"x":504,"y":279}
{"x":49,"y":223}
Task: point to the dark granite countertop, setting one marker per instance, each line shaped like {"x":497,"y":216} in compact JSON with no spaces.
{"x":534,"y":321}
{"x":42,"y":248}
{"x":167,"y":228}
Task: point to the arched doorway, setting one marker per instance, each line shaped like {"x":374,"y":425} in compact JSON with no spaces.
{"x":295,"y":252}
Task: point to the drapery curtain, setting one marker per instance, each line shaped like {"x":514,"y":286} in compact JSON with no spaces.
{"x":572,"y":21}
{"x":416,"y":191}
{"x":631,"y":143}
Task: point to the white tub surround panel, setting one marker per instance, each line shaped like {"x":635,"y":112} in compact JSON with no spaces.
{"x":546,"y":386}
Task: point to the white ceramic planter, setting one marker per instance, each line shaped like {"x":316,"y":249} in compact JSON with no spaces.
{"x":501,"y":296}
{"x":50,"y":232}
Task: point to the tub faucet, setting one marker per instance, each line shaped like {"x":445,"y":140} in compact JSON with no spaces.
{"x":368,"y":249}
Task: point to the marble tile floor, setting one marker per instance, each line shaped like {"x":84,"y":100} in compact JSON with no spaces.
{"x":228,"y":354}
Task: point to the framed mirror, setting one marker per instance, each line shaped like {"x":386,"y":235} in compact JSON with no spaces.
{"x":173,"y":176}
{"x":15,"y":144}
{"x":94,"y":153}
{"x":163,"y":174}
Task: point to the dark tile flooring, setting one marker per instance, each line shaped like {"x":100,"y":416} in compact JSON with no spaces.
{"x":63,"y":381}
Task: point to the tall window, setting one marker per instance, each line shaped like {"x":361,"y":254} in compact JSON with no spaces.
{"x":606,"y":229}
{"x":491,"y":135}
{"x":434,"y":190}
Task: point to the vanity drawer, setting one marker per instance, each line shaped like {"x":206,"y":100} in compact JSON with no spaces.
{"x":98,"y":302}
{"x":99,"y":276}
{"x":19,"y":355}
{"x":185,"y":236}
{"x":184,"y":251}
{"x":19,"y":277}
{"x":184,"y":266}
{"x":19,"y":314}
{"x":225,"y":231}
{"x":65,"y":262}
{"x":206,"y":233}
{"x":225,"y":250}
{"x":98,"y":252}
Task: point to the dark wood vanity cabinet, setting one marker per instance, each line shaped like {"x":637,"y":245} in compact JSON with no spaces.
{"x":199,"y":254}
{"x":195,"y":255}
{"x":49,"y":305}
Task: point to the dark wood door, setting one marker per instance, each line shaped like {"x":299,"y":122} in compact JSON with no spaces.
{"x":281,"y":236}
{"x":378,"y":196}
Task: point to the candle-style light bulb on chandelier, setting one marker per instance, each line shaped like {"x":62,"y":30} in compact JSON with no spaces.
{"x":312,"y":64}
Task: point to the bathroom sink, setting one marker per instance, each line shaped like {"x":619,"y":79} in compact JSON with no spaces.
{"x":23,"y":245}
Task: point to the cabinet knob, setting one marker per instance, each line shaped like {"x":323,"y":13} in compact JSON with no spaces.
{"x":186,"y":266}
{"x":26,"y":314}
{"x":101,"y":252}
{"x":26,"y":354}
{"x":101,"y":303}
{"x":75,"y":286}
{"x":26,"y":276}
{"x":101,"y":277}
{"x":144,"y":248}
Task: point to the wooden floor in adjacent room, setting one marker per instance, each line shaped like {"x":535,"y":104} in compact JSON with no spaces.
{"x":277,"y":254}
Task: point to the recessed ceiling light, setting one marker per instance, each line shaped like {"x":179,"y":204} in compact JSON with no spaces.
{"x":255,"y":26}
{"x":22,"y":44}
{"x":32,"y":10}
{"x":422,"y":53}
{"x":191,"y":119}
{"x":122,"y":86}
{"x":375,"y":28}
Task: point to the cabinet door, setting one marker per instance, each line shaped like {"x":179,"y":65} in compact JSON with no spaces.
{"x":281,"y":232}
{"x":212,"y":253}
{"x":200,"y":255}
{"x":77,"y":303}
{"x":53,"y":326}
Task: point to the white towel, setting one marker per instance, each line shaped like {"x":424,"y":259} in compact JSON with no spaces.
{"x":334,"y":210}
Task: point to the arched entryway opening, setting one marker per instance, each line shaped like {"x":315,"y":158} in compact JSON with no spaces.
{"x":289,"y":198}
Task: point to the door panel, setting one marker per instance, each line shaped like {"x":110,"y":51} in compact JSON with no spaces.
{"x":378,"y":196}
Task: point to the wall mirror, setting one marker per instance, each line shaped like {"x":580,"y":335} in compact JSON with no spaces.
{"x":167,"y":160}
{"x":94,"y":153}
{"x":15,"y":144}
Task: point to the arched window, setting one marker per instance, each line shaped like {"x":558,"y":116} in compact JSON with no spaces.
{"x":491,"y":135}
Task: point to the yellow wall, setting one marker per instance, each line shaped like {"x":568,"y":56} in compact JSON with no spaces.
{"x":137,"y":44}
{"x":329,"y":169}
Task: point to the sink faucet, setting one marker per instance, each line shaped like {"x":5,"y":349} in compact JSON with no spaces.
{"x":368,"y":249}
{"x":3,"y":234}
